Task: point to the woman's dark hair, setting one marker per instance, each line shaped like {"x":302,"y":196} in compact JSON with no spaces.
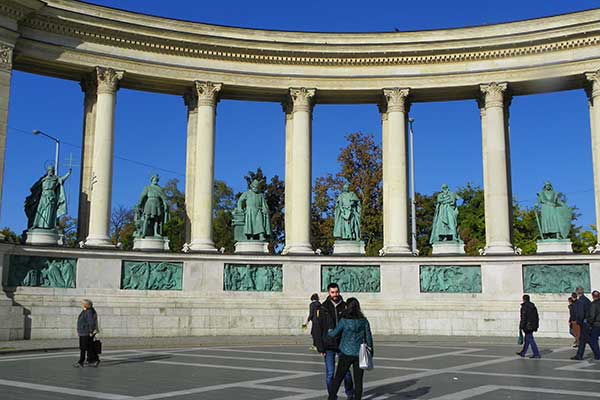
{"x":352,"y":310}
{"x":315,"y":296}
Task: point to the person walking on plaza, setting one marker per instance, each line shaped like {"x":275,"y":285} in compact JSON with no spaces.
{"x":582,"y":310}
{"x":87,"y":328}
{"x":328,"y":316}
{"x":529,"y":323}
{"x":355,"y":330}
{"x":593,"y":323}
{"x":573,"y":326}
{"x":312,"y":314}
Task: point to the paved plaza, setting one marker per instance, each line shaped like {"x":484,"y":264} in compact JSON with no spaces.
{"x":404,"y":370}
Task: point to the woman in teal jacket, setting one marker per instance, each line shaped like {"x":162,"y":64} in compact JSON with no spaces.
{"x":355,"y":330}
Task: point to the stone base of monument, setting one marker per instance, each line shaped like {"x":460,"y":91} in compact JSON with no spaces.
{"x":42,"y":237}
{"x":554,"y":246}
{"x":251,"y":247}
{"x":448,"y":248}
{"x":348,"y":248}
{"x":151,"y":244}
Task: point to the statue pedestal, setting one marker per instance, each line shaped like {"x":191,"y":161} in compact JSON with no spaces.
{"x":251,"y":247}
{"x":554,"y":246}
{"x":348,"y":248}
{"x":448,"y":248}
{"x":42,"y":237}
{"x":151,"y":244}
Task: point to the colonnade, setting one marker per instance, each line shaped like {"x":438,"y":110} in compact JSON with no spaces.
{"x":101,"y":87}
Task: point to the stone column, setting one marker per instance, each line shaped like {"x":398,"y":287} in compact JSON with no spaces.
{"x":384,"y":158}
{"x":6,"y":57}
{"x":201,"y":232}
{"x":298,"y":170}
{"x":289,"y":120}
{"x":496,"y":167}
{"x":395,"y":172}
{"x":89,"y":88}
{"x":102,"y":161}
{"x":191,"y":101}
{"x":593,"y":92}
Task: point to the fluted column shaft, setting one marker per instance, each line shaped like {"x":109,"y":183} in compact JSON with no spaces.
{"x":593,"y":91}
{"x":6,"y":58}
{"x":89,"y":88}
{"x":204,"y":160}
{"x":191,"y":102}
{"x":299,"y":170}
{"x":395,"y":173}
{"x":288,"y":198}
{"x":102,"y":161}
{"x":496,"y":169}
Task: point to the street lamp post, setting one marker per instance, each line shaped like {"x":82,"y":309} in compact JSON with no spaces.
{"x":56,"y":141}
{"x":413,"y":212}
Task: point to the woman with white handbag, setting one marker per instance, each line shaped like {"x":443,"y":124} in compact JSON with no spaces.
{"x":356,"y":348}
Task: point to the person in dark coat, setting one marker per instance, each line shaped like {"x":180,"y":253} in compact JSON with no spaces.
{"x":581,"y":309}
{"x":593,"y":322}
{"x":328,"y":316}
{"x":529,"y":323}
{"x":87,"y":328}
{"x":312,"y":314}
{"x":573,"y":327}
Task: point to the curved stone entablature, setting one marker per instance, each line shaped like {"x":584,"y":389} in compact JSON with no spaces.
{"x":68,"y":38}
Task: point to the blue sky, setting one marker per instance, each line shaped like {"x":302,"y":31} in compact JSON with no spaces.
{"x":550,"y":138}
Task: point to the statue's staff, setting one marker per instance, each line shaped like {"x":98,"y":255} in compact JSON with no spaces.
{"x":537,"y":219}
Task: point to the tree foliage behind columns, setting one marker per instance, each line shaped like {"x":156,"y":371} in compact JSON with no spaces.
{"x":360,"y":166}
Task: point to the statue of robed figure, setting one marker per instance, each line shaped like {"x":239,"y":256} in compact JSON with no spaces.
{"x":445,"y":219}
{"x":47,"y":201}
{"x":347,"y":215}
{"x":553,"y":216}
{"x":152,"y":211}
{"x":251,"y":216}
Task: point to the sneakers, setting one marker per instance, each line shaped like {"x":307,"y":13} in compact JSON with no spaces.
{"x":78,"y":365}
{"x":534,"y":356}
{"x":520,"y":354}
{"x":576,"y":358}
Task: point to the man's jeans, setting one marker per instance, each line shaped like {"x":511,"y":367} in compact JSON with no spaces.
{"x":591,"y":337}
{"x":530,"y":341}
{"x":330,"y":371}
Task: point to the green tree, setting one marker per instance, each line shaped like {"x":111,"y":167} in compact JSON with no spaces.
{"x":360,"y":166}
{"x":122,"y":227}
{"x":174,"y":229}
{"x":10,"y":236}
{"x":67,"y":226}
{"x":223,"y":203}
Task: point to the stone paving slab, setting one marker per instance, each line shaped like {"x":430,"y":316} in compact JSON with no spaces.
{"x":444,"y":370}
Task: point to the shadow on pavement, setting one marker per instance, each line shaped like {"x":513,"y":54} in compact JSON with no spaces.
{"x":118,"y":360}
{"x":395,"y":391}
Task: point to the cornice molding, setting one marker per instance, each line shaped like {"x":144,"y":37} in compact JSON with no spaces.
{"x":185,"y":48}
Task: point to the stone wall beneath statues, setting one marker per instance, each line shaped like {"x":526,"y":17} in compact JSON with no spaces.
{"x":169,"y":294}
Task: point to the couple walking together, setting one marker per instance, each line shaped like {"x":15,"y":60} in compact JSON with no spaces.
{"x":339,"y":329}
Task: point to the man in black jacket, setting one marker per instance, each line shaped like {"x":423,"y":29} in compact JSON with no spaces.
{"x":328,"y":316}
{"x":593,"y":321}
{"x":529,"y":323}
{"x":581,"y":309}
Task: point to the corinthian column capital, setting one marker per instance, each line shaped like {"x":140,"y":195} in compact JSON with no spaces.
{"x":493,"y":94}
{"x":396,"y":99}
{"x":107,"y":79}
{"x":6,"y":56}
{"x":593,"y":87}
{"x":302,"y":98}
{"x":208,"y":93}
